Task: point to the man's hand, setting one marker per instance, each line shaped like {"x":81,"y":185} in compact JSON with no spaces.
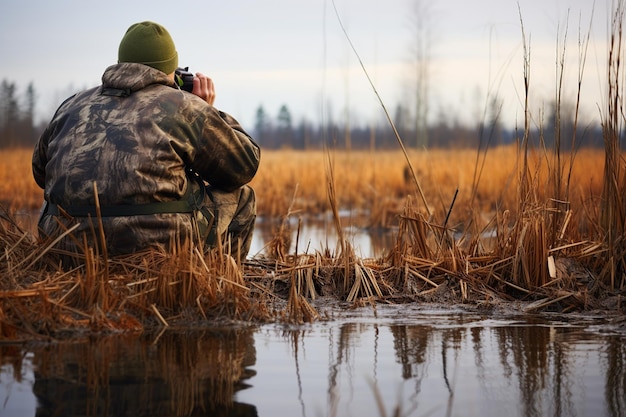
{"x":204,"y":88}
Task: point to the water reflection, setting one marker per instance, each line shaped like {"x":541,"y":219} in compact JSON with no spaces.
{"x":175,"y":373}
{"x":465,"y":365}
{"x":424,"y":362}
{"x":320,"y":234}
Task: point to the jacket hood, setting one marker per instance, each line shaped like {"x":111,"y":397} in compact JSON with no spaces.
{"x":134,"y":77}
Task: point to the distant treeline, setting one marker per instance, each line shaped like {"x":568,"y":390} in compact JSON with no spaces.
{"x":17,"y":116}
{"x":18,"y":128}
{"x":281,"y":132}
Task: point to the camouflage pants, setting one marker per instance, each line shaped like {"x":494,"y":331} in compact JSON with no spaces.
{"x":236,"y":214}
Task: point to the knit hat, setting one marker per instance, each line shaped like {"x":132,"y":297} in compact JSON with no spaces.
{"x":151,"y":44}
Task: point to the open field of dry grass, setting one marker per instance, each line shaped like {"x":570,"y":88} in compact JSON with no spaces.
{"x":374,"y":183}
{"x":18,"y":189}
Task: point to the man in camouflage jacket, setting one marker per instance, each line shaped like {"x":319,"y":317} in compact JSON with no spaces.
{"x":166,"y":165}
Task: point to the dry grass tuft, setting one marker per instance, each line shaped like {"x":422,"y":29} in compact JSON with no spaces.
{"x":126,"y":293}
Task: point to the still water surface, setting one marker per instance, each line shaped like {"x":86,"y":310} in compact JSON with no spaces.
{"x":427,"y":361}
{"x":319,"y":234}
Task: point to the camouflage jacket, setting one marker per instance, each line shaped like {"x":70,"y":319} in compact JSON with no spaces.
{"x":135,"y":137}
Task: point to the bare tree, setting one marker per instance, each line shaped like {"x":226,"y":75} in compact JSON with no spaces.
{"x":421,"y":22}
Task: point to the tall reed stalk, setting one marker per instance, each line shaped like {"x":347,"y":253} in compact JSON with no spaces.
{"x":613,"y":202}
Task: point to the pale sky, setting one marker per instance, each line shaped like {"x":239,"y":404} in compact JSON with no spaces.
{"x":293,"y":52}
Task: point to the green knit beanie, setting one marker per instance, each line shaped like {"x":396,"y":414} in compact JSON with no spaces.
{"x":151,"y":44}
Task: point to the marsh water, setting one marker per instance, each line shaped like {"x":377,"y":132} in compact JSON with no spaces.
{"x":319,"y":234}
{"x":423,"y":360}
{"x":366,"y":362}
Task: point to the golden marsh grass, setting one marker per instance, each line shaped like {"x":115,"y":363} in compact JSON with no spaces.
{"x":373,"y":182}
{"x":18,"y":189}
{"x":376,"y":181}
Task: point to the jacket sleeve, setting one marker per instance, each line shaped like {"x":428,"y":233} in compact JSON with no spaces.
{"x":218,"y":148}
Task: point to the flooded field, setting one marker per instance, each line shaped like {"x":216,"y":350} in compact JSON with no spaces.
{"x":425,"y":361}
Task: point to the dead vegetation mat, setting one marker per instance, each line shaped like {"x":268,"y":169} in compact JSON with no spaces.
{"x":133,"y":293}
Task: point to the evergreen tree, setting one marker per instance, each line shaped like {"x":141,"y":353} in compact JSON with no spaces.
{"x":9,"y":114}
{"x":284,"y":128}
{"x":262,"y":127}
